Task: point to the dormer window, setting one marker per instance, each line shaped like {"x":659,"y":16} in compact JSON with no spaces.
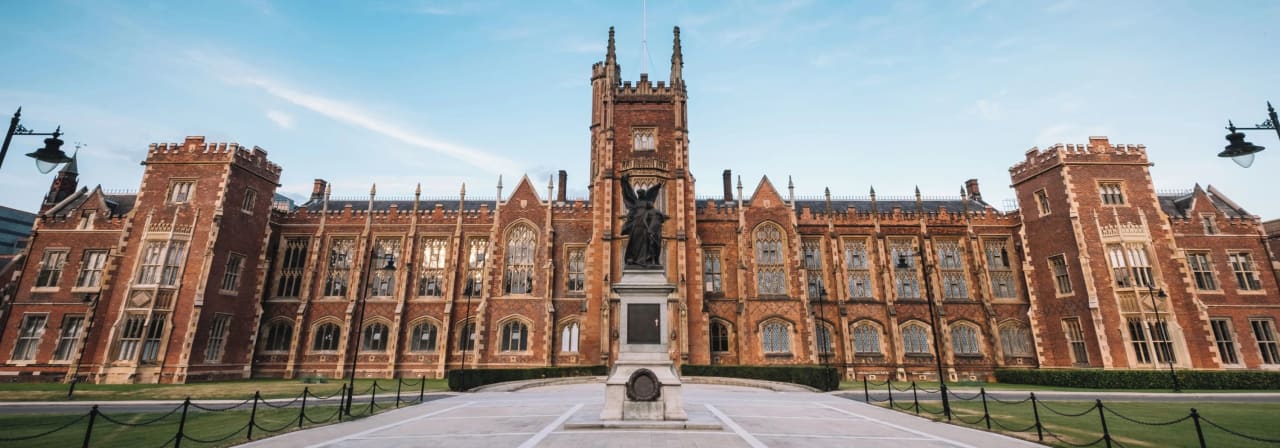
{"x":1210,"y":224}
{"x":644,"y":139}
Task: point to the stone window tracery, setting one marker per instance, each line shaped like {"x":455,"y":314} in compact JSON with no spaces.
{"x":866,"y":338}
{"x":776,"y":337}
{"x":431,"y":272}
{"x":915,"y":339}
{"x":855,"y":259}
{"x":338,"y":272}
{"x":515,"y":336}
{"x":521,"y":243}
{"x":771,"y":276}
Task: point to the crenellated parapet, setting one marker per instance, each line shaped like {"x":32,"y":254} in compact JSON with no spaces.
{"x":1098,"y":150}
{"x":645,"y":90}
{"x":195,"y":149}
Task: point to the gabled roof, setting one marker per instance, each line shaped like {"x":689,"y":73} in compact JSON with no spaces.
{"x":117,"y":204}
{"x":1181,"y":205}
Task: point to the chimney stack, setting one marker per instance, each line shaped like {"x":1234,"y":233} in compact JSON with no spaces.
{"x":971,"y":186}
{"x":728,"y":185}
{"x":317,"y":190}
{"x":564,"y":179}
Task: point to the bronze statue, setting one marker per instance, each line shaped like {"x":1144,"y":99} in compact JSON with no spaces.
{"x":643,"y":226}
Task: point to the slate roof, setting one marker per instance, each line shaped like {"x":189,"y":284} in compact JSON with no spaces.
{"x":119,"y":203}
{"x":1178,"y":205}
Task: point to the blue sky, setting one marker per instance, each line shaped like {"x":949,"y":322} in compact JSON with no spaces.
{"x":842,"y":94}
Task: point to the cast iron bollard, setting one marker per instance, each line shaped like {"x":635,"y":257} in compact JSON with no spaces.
{"x":866,"y":393}
{"x":373,"y":395}
{"x":93,"y":415}
{"x":422,"y":388}
{"x":1035,"y":410}
{"x":398,"y":383}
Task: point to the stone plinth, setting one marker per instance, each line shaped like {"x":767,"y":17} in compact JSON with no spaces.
{"x":644,"y":327}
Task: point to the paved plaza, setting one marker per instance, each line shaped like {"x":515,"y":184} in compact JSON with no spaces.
{"x":537,"y":417}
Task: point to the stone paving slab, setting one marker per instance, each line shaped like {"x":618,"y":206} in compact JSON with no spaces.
{"x":537,"y":417}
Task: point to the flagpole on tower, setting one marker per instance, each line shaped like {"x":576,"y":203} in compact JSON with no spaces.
{"x":644,"y":36}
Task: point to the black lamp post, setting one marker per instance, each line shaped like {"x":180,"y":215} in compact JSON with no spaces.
{"x":827,"y":349}
{"x":47,"y":157}
{"x":1242,"y":152}
{"x":389,"y":269}
{"x":1168,"y":356}
{"x":933,"y":321}
{"x":469,"y":338}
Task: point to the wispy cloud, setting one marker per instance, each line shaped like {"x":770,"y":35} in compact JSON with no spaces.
{"x":238,"y":73}
{"x":281,"y":119}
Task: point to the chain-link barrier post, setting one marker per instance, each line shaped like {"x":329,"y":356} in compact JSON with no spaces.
{"x":422,"y":388}
{"x":1106,"y":435}
{"x":915,"y":398}
{"x":1195,"y":417}
{"x":889,"y":385}
{"x":946,"y":404}
{"x":253,"y":414}
{"x":342,"y":395}
{"x":1035,"y":410}
{"x":373,"y":395}
{"x":986,"y":415}
{"x":302,"y":412}
{"x":93,"y":415}
{"x":866,"y":393}
{"x":182,"y":424}
{"x":398,"y":383}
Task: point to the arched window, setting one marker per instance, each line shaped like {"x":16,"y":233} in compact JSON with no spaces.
{"x":520,"y":249}
{"x":1015,"y":340}
{"x":325,"y":337}
{"x":866,"y":339}
{"x":777,"y":337}
{"x":569,"y":338}
{"x":915,"y":340}
{"x":374,"y":338}
{"x":964,"y":340}
{"x":719,"y":337}
{"x":515,"y":336}
{"x":467,"y":336}
{"x":825,"y":347}
{"x":771,"y":275}
{"x":279,"y":335}
{"x":423,"y":337}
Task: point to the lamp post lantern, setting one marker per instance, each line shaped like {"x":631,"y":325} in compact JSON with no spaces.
{"x":933,"y":321}
{"x":47,"y":157}
{"x":1168,"y":355}
{"x":1242,"y":152}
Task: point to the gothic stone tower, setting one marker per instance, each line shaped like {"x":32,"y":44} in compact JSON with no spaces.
{"x":1099,"y":240}
{"x":183,"y":299}
{"x":641,"y":130}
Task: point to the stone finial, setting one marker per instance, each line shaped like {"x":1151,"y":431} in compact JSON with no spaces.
{"x":373,"y":190}
{"x":417,"y":191}
{"x":463,"y":190}
{"x":610,"y":55}
{"x":677,"y":59}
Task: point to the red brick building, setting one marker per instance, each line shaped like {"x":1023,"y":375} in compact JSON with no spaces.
{"x":199,"y":276}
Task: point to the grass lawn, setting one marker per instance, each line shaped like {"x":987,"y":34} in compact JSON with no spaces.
{"x":965,"y":385}
{"x":202,"y":428}
{"x":1254,"y":419}
{"x":236,"y":390}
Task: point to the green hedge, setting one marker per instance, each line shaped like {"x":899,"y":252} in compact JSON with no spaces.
{"x":461,"y":380}
{"x":1141,"y":379}
{"x":818,"y":377}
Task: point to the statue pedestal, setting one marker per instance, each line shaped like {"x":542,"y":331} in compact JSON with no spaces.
{"x":643,"y":384}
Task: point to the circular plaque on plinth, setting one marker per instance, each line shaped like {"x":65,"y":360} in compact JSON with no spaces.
{"x":643,"y":386}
